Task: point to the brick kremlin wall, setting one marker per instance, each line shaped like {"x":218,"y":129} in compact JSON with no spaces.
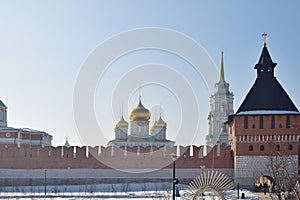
{"x":89,"y":165}
{"x":76,"y":157}
{"x":249,"y":168}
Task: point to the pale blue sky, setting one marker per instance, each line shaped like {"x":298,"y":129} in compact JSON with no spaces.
{"x":44,"y":43}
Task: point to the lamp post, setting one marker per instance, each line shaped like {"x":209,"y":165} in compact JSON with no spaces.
{"x":45,"y":189}
{"x":175,"y":181}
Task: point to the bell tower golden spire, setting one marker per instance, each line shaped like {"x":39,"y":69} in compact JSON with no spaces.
{"x":222,"y":79}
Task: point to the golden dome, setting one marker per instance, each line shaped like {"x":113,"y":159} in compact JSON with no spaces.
{"x":140,"y":113}
{"x":161,"y":123}
{"x":121,"y":123}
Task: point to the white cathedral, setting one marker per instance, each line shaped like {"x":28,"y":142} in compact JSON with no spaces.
{"x":221,"y":106}
{"x":139,"y":130}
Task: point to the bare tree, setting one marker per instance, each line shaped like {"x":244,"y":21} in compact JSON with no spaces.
{"x":284,"y":170}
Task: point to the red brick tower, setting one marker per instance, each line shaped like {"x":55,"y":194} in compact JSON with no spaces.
{"x":265,"y":125}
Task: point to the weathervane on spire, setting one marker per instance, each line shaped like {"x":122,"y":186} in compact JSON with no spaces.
{"x":266,"y":38}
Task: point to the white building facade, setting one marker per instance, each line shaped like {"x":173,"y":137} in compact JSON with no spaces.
{"x":18,"y":137}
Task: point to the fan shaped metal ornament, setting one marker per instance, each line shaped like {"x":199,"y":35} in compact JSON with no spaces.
{"x":210,"y":181}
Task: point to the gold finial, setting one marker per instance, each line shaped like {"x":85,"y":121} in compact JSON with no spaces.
{"x":160,"y":109}
{"x":140,"y":93}
{"x":266,"y":38}
{"x":222,"y":79}
{"x":122,"y":110}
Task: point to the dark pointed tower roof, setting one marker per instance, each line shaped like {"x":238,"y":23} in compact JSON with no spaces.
{"x":266,"y":93}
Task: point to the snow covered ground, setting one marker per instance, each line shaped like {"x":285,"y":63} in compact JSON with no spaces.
{"x":125,"y":191}
{"x":112,"y":196}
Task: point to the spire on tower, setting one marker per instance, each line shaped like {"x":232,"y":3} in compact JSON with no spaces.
{"x":67,"y":144}
{"x":265,"y":66}
{"x":222,"y":79}
{"x":266,"y":38}
{"x":122,"y":110}
{"x":160,"y":109}
{"x":266,"y":93}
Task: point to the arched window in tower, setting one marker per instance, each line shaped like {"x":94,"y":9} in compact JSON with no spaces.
{"x":261,"y":122}
{"x":251,"y":148}
{"x":262,"y":148}
{"x":288,"y":121}
{"x":277,"y":147}
{"x":290,"y":147}
{"x":245,"y":122}
{"x":223,"y":108}
{"x":272,"y":122}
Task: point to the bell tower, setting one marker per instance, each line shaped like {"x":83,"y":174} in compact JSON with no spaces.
{"x":264,"y":128}
{"x":221,"y":106}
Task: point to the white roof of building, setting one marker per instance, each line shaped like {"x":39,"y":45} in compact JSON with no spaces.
{"x":21,"y":129}
{"x":268,"y":112}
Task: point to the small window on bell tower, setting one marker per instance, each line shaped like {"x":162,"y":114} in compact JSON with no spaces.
{"x":223,"y":108}
{"x":269,"y":69}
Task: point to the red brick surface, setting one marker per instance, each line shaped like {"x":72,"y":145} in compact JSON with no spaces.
{"x":64,"y":158}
